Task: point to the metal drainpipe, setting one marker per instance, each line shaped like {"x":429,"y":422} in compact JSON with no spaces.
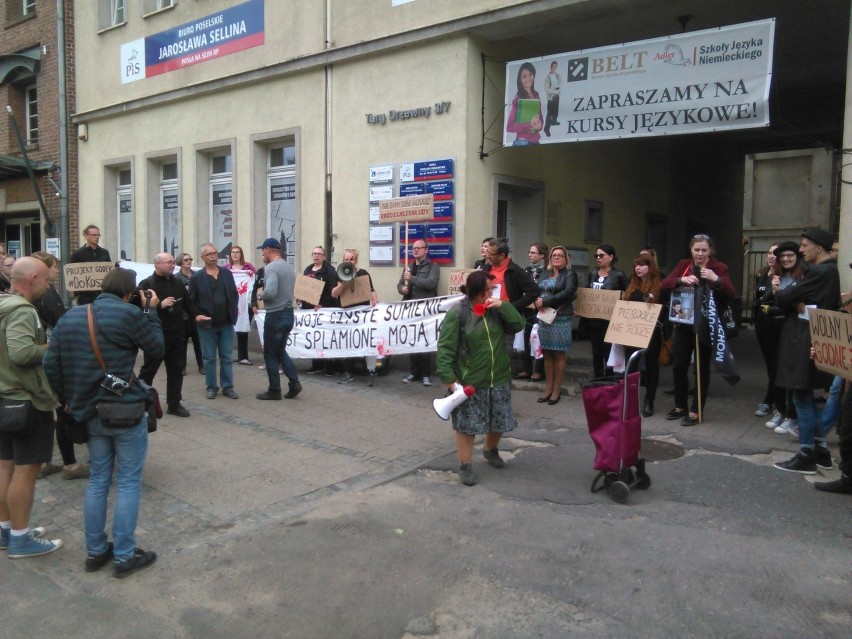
{"x":329,"y":219}
{"x":64,"y":227}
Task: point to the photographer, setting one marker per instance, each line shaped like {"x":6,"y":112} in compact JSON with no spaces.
{"x":120,"y":330}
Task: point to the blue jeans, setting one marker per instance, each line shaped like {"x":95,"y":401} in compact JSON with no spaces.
{"x":810,"y":426}
{"x":221,"y":339}
{"x":276,"y":330}
{"x":128,"y":447}
{"x":831,"y":410}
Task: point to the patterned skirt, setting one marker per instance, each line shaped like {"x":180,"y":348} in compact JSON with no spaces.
{"x":490,"y":409}
{"x":556,"y":336}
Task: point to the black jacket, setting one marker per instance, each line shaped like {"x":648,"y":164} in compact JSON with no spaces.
{"x":520,"y":287}
{"x":168,"y":286}
{"x":565,"y":292}
{"x":819,"y":285}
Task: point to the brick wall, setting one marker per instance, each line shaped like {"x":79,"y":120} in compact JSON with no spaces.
{"x":19,"y":33}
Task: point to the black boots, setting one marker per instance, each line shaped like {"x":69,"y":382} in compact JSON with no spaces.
{"x":648,"y":408}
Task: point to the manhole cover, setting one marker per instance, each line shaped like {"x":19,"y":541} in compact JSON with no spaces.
{"x":654,"y":450}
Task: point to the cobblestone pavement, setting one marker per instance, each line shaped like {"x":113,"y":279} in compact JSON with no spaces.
{"x":243,"y":463}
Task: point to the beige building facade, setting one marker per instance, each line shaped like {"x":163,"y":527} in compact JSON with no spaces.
{"x":288,"y":130}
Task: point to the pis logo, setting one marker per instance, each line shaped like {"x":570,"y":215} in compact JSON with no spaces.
{"x":133,"y":67}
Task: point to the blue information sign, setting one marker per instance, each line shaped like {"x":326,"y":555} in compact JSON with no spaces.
{"x":434,"y":170}
{"x":441,"y":190}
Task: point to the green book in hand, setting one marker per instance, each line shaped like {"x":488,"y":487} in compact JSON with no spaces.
{"x":527,"y":110}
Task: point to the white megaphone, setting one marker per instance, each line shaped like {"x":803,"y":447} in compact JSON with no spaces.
{"x":446,"y":405}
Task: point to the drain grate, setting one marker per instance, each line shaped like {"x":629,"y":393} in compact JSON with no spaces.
{"x":654,"y":450}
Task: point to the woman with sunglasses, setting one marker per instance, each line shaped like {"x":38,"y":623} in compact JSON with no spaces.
{"x":786,"y":268}
{"x":603,"y":277}
{"x":558,"y":290}
{"x":190,"y":328}
{"x":703,"y":271}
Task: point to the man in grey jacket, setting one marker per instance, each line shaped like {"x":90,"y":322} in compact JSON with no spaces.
{"x":420,"y":281}
{"x":277,"y":296}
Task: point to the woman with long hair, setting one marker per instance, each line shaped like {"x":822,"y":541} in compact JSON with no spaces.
{"x":766,"y":330}
{"x":701,"y":271}
{"x":645,"y":287}
{"x":558,"y":290}
{"x":527,"y":125}
{"x":608,"y":278}
{"x":786,"y":269}
{"x":472,"y":352}
{"x":237,"y":262}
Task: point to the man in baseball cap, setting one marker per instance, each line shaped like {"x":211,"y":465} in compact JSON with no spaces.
{"x":270,"y":243}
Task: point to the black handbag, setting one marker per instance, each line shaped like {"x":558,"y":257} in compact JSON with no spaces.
{"x":15,"y":415}
{"x":120,"y":414}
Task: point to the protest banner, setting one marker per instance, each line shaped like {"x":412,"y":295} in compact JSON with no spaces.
{"x":308,"y":289}
{"x":595,"y":303}
{"x":831,"y":338}
{"x":699,"y":81}
{"x":85,"y":276}
{"x":457,"y":278}
{"x":356,"y":292}
{"x":414,"y":208}
{"x":632,"y":323}
{"x":396,"y":328}
{"x":682,"y":305}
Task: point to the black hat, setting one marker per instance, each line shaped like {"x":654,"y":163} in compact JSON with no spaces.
{"x":823,"y":238}
{"x":786,"y":246}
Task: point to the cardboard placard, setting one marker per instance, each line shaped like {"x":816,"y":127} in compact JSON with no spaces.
{"x":308,"y":289}
{"x":457,"y":278}
{"x":632,"y":323}
{"x":356,"y":292}
{"x":831,"y":338}
{"x":414,"y":208}
{"x":85,"y":276}
{"x":595,"y":303}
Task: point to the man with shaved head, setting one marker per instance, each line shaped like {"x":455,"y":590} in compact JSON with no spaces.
{"x":22,"y":379}
{"x":171,"y":293}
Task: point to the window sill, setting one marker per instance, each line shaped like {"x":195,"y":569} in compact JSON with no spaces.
{"x":14,"y":22}
{"x":156,"y":12}
{"x":111,"y":27}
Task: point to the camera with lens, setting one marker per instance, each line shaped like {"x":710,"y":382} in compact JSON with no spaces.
{"x":114,"y":384}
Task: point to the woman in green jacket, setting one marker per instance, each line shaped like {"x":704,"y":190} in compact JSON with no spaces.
{"x":472,"y":351}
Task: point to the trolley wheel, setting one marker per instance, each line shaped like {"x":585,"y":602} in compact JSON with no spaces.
{"x":619,"y":491}
{"x":644,"y":482}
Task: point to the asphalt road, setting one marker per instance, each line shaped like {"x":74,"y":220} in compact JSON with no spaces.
{"x":340,"y":514}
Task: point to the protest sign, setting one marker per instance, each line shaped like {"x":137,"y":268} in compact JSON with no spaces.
{"x":85,"y":276}
{"x":596,"y":303}
{"x":414,"y":208}
{"x":355,"y":292}
{"x":457,"y":278}
{"x":308,"y":289}
{"x":831,"y":338}
{"x":632,"y":323}
{"x":397,"y":328}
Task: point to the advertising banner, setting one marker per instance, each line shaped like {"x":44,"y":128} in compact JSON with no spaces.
{"x":696,"y":82}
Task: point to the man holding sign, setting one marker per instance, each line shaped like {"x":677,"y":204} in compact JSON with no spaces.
{"x":89,"y":252}
{"x":419,"y":282}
